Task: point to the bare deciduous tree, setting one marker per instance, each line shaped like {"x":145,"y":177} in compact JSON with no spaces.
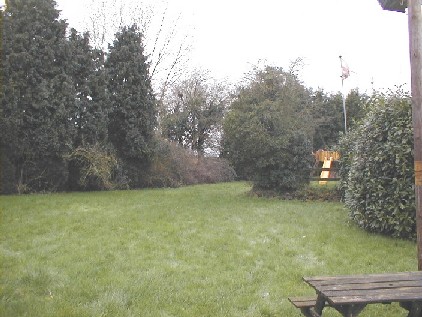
{"x":167,"y":44}
{"x":193,"y":111}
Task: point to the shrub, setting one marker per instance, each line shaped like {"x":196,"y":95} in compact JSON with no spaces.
{"x":285,"y":167}
{"x":175,"y":166}
{"x":346,"y":148}
{"x":268,"y":131}
{"x":379,"y":186}
{"x":308,"y":193}
{"x":91,"y":168}
{"x":7,"y":175}
{"x":35,"y":174}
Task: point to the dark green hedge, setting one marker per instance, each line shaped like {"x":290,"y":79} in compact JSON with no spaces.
{"x":378,"y":160}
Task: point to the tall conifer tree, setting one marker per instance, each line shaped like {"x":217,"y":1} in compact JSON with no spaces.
{"x":90,"y":109}
{"x":36,"y":130}
{"x":91,"y":106}
{"x":132,"y":116}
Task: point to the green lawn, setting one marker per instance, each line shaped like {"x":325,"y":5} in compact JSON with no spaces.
{"x":209,"y":250}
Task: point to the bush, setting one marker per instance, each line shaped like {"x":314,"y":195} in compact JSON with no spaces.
{"x":267,"y":132}
{"x":91,"y":168}
{"x":35,"y":174}
{"x":379,"y":185}
{"x":175,"y":166}
{"x":285,"y":167}
{"x":346,"y":149}
{"x":312,"y":192}
{"x":7,"y":175}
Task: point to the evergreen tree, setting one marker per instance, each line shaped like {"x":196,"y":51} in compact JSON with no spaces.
{"x":132,"y":117}
{"x":267,"y":135}
{"x":328,"y":117}
{"x":90,"y":112}
{"x":36,"y":125}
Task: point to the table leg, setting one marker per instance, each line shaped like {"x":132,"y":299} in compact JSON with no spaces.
{"x":308,"y":312}
{"x":319,"y":306}
{"x":415,"y":310}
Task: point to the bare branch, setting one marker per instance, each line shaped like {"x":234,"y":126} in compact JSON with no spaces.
{"x":167,"y":49}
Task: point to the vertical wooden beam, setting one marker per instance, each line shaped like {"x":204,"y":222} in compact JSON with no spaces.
{"x":415,"y":50}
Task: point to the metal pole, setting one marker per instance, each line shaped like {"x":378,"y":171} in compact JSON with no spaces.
{"x":344,"y":108}
{"x":344,"y":98}
{"x":415,"y":50}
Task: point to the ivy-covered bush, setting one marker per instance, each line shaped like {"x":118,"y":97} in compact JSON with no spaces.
{"x":378,"y":159}
{"x":91,"y":168}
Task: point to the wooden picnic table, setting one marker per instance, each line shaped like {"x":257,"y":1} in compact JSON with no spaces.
{"x":349,"y":294}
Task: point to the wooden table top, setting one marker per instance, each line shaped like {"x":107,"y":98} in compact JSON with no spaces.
{"x":369,"y":288}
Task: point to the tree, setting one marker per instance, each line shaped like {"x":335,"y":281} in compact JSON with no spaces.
{"x":90,"y":112}
{"x":37,"y":94}
{"x":327,"y":116}
{"x":132,"y":116}
{"x":166,"y":47}
{"x":193,"y":113}
{"x":267,"y":136}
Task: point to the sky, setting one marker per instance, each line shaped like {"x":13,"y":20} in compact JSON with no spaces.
{"x":228,"y":37}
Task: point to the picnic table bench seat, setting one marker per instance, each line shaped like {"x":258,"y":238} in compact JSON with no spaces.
{"x":306,"y":304}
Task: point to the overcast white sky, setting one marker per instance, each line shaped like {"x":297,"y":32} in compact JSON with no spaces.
{"x":229,"y":36}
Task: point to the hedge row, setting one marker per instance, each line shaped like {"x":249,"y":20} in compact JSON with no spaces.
{"x":377,"y":168}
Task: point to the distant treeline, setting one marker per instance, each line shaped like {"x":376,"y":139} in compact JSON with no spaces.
{"x":78,"y":118}
{"x":75,"y":117}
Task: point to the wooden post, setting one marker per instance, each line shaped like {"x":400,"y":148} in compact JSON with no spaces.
{"x":415,"y":49}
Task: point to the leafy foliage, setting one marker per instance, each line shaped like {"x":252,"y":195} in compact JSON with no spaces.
{"x":328,"y":116}
{"x":132,"y":115}
{"x":90,"y":109}
{"x":379,"y":188}
{"x":90,"y":112}
{"x":37,"y":94}
{"x":174,"y":165}
{"x":266,"y":136}
{"x":95,"y":167}
{"x":55,"y":101}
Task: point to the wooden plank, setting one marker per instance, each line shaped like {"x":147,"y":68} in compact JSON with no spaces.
{"x":370,"y":286}
{"x":325,"y":179}
{"x":363,"y":278}
{"x":356,"y":283}
{"x":412,"y":274}
{"x":306,"y":305}
{"x":319,"y":169}
{"x":301,"y":302}
{"x":376,"y":292}
{"x":347,"y":300}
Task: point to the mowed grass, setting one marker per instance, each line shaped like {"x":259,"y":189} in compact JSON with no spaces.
{"x":209,"y":250}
